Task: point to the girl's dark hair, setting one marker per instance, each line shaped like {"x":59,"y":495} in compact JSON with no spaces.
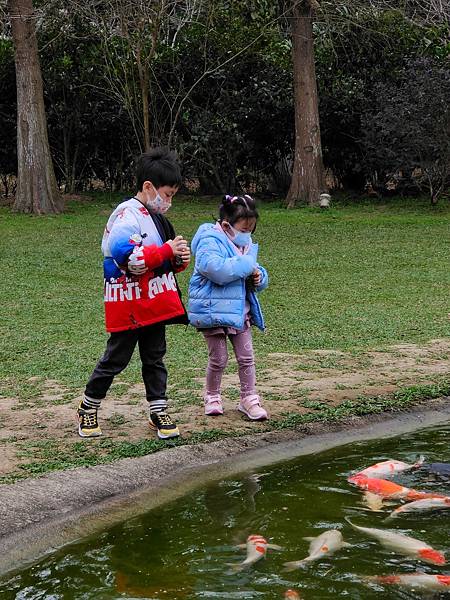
{"x":159,"y":166}
{"x":234,"y":208}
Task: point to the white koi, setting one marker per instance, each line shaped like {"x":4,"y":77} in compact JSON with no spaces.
{"x":403,"y":544}
{"x":256,"y":547}
{"x":437,"y":503}
{"x":390,"y":467}
{"x":373,"y":501}
{"x":325,"y":544}
{"x":414,"y":581}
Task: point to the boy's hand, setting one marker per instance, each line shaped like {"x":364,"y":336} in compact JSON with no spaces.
{"x":257,"y":277}
{"x":186,"y":255}
{"x":178,"y":245}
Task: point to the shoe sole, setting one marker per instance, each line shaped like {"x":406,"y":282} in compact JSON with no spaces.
{"x":162,"y":436}
{"x":252,"y":418}
{"x":92,"y":435}
{"x":214,"y":414}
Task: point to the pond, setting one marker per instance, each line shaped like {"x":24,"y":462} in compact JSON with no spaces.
{"x":185,"y":548}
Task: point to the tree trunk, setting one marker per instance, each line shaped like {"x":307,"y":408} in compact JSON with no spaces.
{"x":308,"y":179}
{"x":145,"y":113}
{"x":37,"y":190}
{"x":144,"y":81}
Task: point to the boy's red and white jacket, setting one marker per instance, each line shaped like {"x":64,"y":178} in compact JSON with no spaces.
{"x":131,"y":301}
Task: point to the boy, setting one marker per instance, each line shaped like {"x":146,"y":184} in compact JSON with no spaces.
{"x":141,"y":255}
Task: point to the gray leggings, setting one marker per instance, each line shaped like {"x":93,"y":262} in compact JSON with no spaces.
{"x":218,"y":359}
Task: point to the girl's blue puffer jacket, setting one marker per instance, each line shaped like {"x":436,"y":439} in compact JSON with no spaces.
{"x":217,"y":291}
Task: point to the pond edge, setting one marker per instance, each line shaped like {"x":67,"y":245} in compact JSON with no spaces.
{"x":38,"y":516}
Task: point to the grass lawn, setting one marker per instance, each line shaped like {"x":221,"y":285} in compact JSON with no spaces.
{"x":352,"y":278}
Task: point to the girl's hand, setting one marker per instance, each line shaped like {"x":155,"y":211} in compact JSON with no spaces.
{"x":257,"y":277}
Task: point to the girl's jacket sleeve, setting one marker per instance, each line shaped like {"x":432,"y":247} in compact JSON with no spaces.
{"x":220,"y":269}
{"x":264,"y":276}
{"x":264,"y":279}
{"x":124,"y":239}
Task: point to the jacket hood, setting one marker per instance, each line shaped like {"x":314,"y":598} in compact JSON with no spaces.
{"x":204,"y":231}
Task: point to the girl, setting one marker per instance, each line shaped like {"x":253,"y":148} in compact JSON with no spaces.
{"x":223,"y":302}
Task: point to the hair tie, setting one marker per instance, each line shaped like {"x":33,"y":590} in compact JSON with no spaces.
{"x":244,"y":200}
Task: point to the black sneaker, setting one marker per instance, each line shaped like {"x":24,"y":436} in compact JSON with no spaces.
{"x":163,"y":424}
{"x":88,"y":422}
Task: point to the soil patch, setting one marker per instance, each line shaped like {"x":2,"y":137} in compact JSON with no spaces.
{"x":45,"y":425}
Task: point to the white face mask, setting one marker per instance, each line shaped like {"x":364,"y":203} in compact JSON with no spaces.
{"x":158,"y":204}
{"x":239,"y":238}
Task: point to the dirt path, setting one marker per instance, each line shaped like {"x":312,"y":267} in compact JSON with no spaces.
{"x":293,"y":384}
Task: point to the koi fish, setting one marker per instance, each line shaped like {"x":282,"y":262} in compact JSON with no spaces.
{"x":389,"y":489}
{"x":390,"y":467}
{"x":437,"y":503}
{"x":373,"y":501}
{"x":325,"y":544}
{"x":416,"y":581}
{"x":292,"y":595}
{"x":403,"y":544}
{"x":256,"y":547}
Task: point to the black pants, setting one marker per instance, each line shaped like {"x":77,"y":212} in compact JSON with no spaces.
{"x":118,"y":353}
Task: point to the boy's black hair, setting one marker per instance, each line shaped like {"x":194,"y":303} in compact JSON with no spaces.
{"x":159,"y":166}
{"x":234,"y":208}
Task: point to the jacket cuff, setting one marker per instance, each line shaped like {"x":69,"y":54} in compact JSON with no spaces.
{"x":166,"y":251}
{"x":179,"y":268}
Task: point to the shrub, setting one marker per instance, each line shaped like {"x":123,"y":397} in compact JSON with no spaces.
{"x":406,"y":133}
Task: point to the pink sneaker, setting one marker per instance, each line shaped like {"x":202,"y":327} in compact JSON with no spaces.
{"x":213,"y":405}
{"x":251,"y":406}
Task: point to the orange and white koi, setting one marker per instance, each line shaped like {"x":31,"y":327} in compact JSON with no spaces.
{"x":415,"y":581}
{"x":292,"y":595}
{"x":403,"y":544}
{"x":436,"y":503}
{"x":390,"y":467}
{"x":325,"y":544}
{"x":256,"y":547}
{"x":389,"y":489}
